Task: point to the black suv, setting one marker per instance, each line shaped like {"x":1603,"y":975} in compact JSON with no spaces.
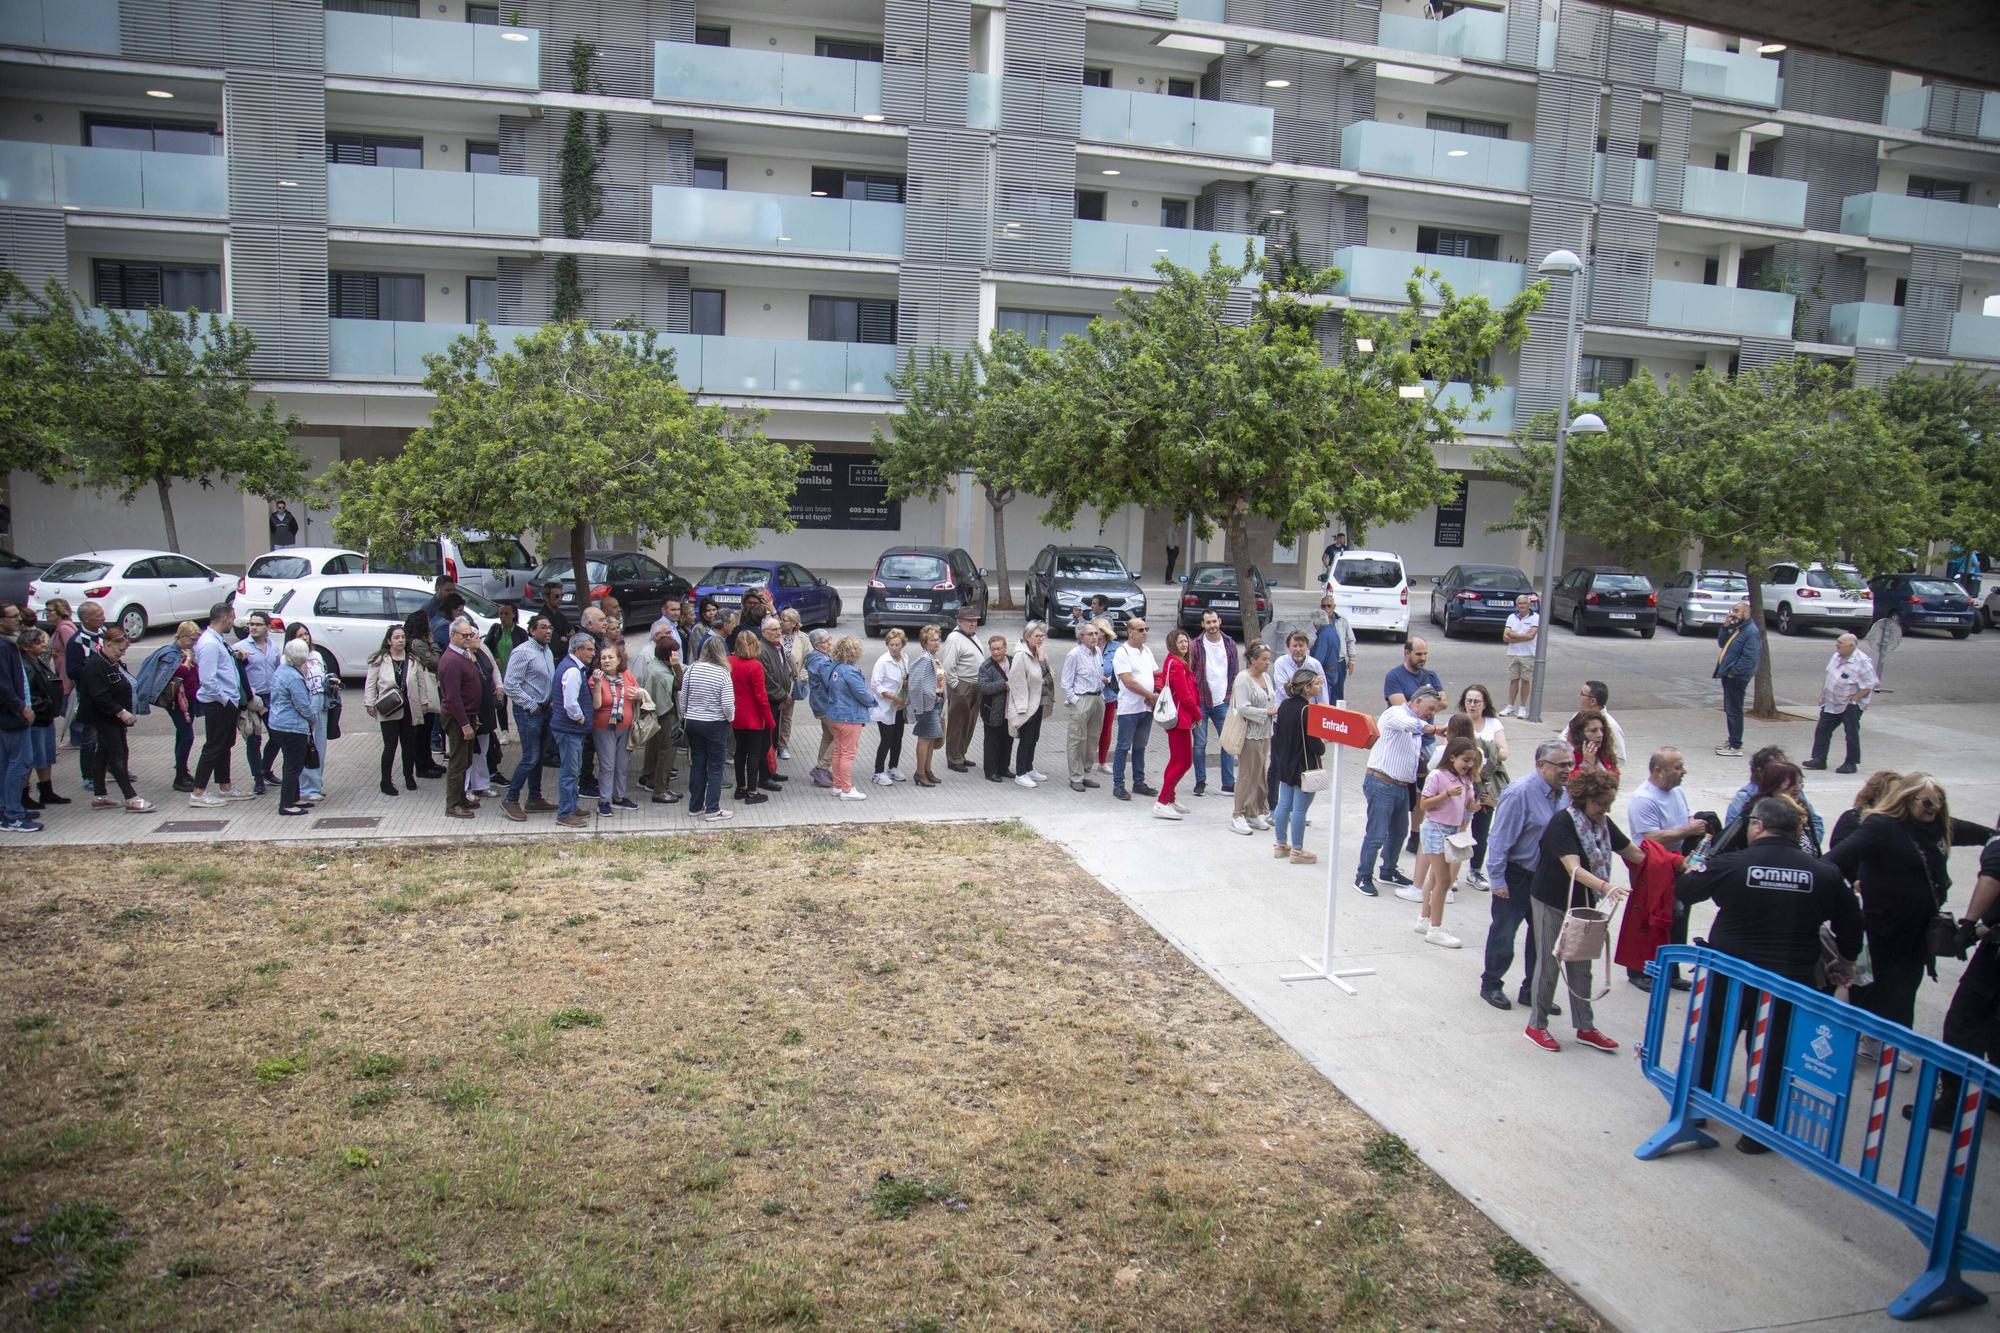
{"x":1064,"y":578}
{"x":921,"y":585}
{"x":1606,"y":597}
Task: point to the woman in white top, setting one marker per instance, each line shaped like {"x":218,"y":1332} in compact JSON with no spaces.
{"x":1255,"y":698}
{"x":1476,"y":703}
{"x":1029,"y":692}
{"x":889,"y":683}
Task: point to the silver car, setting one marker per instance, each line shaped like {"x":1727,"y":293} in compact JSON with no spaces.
{"x":1699,"y":599}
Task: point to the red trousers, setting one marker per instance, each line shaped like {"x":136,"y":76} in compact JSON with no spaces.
{"x":1180,"y":758}
{"x":1104,"y":732}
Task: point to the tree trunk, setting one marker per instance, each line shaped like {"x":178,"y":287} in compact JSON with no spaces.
{"x":167,"y":513}
{"x":579,"y":571}
{"x":1236,"y":542}
{"x":998,"y":501}
{"x":1763,"y":702}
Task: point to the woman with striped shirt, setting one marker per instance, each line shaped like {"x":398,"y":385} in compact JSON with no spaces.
{"x":708,"y":705}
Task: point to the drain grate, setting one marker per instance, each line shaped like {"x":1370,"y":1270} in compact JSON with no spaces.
{"x":193,"y":826}
{"x":347,"y":821}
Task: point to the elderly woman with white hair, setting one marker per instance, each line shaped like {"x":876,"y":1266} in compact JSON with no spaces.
{"x":290,"y":724}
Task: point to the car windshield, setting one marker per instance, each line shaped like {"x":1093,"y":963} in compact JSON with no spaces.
{"x":75,"y":571}
{"x":558,"y":570}
{"x":280,"y":567}
{"x":1844,"y":579}
{"x":479,"y":605}
{"x":1367,"y":573}
{"x":1620,"y":583}
{"x":1101,"y":566}
{"x":1723,"y":583}
{"x":910,"y":569}
{"x":1935,"y":588}
{"x":1497,"y":580}
{"x":1213,"y":576}
{"x":730,"y":575}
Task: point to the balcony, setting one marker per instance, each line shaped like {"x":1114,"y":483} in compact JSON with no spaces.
{"x":387,"y":349}
{"x":1975,"y":336}
{"x":1911,"y":110}
{"x":1860,"y":324}
{"x":406,"y":199}
{"x":120,"y":180}
{"x":1372,"y":273}
{"x":1492,"y":415}
{"x":740,"y":76}
{"x":60,"y":25}
{"x":1643,"y":173}
{"x":792,"y":367}
{"x":1470,"y":34}
{"x":1741,"y":197}
{"x":1208,"y":11}
{"x":1125,"y":249}
{"x":433,"y":51}
{"x":982,"y":101}
{"x":787,"y":223}
{"x":1730,"y":76}
{"x":1737,"y":311}
{"x":1153,"y":120}
{"x":1895,"y":217}
{"x":1383,"y":149}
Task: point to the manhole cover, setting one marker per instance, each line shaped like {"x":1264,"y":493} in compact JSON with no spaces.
{"x":193,"y":826}
{"x":348,"y":821}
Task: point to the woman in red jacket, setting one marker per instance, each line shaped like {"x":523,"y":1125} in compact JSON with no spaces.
{"x":1177,"y":680}
{"x":753,"y":721}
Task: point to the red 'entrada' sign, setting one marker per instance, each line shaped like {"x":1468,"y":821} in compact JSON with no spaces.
{"x":1341,"y":726}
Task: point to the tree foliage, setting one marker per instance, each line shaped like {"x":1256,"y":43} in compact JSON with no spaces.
{"x":121,"y":403}
{"x":569,"y":428}
{"x":1952,"y":420}
{"x":1787,"y":462}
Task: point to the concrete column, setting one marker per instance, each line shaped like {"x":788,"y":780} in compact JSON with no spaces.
{"x":989,"y":310}
{"x":1729,"y":263}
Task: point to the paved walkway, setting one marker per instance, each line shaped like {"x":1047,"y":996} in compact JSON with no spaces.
{"x":1713,"y":1241}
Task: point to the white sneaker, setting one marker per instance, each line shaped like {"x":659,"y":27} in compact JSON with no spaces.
{"x":1038,"y":775}
{"x":1165,"y":811}
{"x":1261,"y":822}
{"x":1409,"y":893}
{"x":1178,"y":806}
{"x":205,"y":800}
{"x":228,"y":795}
{"x":1451,"y":894}
{"x":1437,"y":935}
{"x":784,"y":753}
{"x":896,"y":775}
{"x":1241,"y":825}
{"x":1101,"y":768}
{"x":1423,"y":926}
{"x":852,"y":794}
{"x":1025,"y":780}
{"x":717,"y":816}
{"x":1507,"y":711}
{"x":884,"y":780}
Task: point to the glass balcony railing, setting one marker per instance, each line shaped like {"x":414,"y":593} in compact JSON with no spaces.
{"x":740,"y":76}
{"x":1862,"y":324}
{"x":1738,"y":311}
{"x":1492,"y":415}
{"x":1372,"y":273}
{"x":792,"y":223}
{"x":1737,"y":195}
{"x":1911,"y":110}
{"x":1976,"y":336}
{"x":1896,"y":217}
{"x":1153,"y":120}
{"x":444,"y":201}
{"x":1470,"y":34}
{"x":982,"y":101}
{"x":389,"y":349}
{"x":433,"y":51}
{"x":1643,"y":173}
{"x":1127,"y":249}
{"x":121,"y":180}
{"x":1731,"y":76}
{"x":60,"y":25}
{"x":1382,"y":149}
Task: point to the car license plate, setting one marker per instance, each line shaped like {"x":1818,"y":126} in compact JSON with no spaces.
{"x":1498,"y":603}
{"x":1624,"y":615}
{"x":1942,"y":620}
{"x":909,"y":606}
{"x":1229,"y":602}
{"x":725,"y":599}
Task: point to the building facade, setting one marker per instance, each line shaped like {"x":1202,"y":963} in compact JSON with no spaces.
{"x":797,"y":194}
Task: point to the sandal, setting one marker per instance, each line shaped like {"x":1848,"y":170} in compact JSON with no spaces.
{"x":139,"y":805}
{"x":294,"y":810}
{"x":103,"y":803}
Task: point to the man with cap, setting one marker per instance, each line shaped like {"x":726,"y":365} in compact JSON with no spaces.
{"x":959,"y":660}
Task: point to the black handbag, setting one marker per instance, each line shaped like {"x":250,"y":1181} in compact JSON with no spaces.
{"x":1941,"y":937}
{"x":332,"y":709}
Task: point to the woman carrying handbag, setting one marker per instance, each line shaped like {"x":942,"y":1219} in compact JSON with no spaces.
{"x":1296,"y":756}
{"x":1575,"y":873}
{"x":1180,"y":697}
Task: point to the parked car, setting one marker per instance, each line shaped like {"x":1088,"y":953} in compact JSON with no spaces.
{"x":641,"y":584}
{"x":1212,"y":587}
{"x":1606,"y":597}
{"x":1923,"y":601}
{"x":1372,"y":591}
{"x":792,"y":587}
{"x":1795,"y":596}
{"x":135,"y":588}
{"x":493,"y":566}
{"x":1063,"y":578}
{"x":272,"y":574}
{"x":1697,"y":599}
{"x":16,"y":574}
{"x":921,"y":585}
{"x":1990,"y":608}
{"x":1477,"y":597}
{"x":350,"y":613}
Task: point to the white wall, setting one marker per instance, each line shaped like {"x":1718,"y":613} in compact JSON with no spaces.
{"x":784,"y":38}
{"x":775,"y":175}
{"x":1414,"y":114}
{"x":1400,"y":233}
{"x":1486,"y":501}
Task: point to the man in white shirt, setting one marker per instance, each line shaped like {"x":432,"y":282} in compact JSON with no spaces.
{"x":1392,"y":769}
{"x":1214,"y":659}
{"x":1136,"y":669}
{"x":959,"y":658}
{"x":1083,"y":688}
{"x":1519,"y":635}
{"x":1843,"y":695}
{"x":1287,"y":665}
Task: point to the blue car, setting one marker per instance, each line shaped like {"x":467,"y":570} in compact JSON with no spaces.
{"x":792,"y":587}
{"x":1923,"y":601}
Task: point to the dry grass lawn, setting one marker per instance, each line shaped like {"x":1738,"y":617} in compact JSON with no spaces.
{"x":919,"y":1078}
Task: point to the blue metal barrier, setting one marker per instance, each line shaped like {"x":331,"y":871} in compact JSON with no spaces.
{"x":1814,"y":1076}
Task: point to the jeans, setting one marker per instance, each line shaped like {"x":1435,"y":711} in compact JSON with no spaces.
{"x":1848,"y":721}
{"x":1388,"y":824}
{"x":1217,"y":714}
{"x":707,"y":742}
{"x":1510,"y":913}
{"x":254,"y":748}
{"x":1133,"y":729}
{"x":183,"y":742}
{"x":569,"y":745}
{"x":533,"y":729}
{"x":13,"y":772}
{"x":1732,"y":707}
{"x":1288,"y":822}
{"x":312,"y":781}
{"x":1482,"y":821}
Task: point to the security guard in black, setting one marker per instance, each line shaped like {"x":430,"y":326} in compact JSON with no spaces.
{"x":1772,"y":896}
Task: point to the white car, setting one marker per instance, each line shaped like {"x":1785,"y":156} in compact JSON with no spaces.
{"x":1372,"y":590}
{"x":1795,"y":597}
{"x":272,"y":574}
{"x":350,"y":614}
{"x":135,"y":588}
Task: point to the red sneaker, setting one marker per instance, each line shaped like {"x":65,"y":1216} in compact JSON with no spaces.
{"x":1592,"y":1037}
{"x":1541,"y":1038}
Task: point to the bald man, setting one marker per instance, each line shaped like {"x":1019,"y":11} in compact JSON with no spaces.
{"x":1844,"y":692}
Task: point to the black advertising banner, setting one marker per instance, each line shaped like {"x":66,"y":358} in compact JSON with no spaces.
{"x":845,"y":491}
{"x":1451,"y":517}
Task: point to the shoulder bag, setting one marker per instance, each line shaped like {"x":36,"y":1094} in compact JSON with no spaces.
{"x":1310,"y":779}
{"x":1586,"y":933}
{"x":1165,"y":711}
{"x":1235,"y":730}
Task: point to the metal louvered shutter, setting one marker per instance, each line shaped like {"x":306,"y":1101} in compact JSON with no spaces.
{"x":1583,"y":39}
{"x":275,"y":140}
{"x":1930,"y":299}
{"x":1831,"y":86}
{"x":1670,"y":162}
{"x":34,"y":245}
{"x":1565,"y":135}
{"x":1621,"y":279}
{"x":1621,"y":141}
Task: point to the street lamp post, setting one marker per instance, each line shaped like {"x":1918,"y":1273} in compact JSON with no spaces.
{"x":1560,"y":261}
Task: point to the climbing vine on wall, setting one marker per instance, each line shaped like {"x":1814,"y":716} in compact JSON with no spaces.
{"x":582,"y":196}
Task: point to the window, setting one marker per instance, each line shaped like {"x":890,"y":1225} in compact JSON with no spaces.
{"x":791,"y":576}
{"x":148,"y":135}
{"x":1096,"y":78}
{"x":482,"y":300}
{"x":1598,"y":374}
{"x":1711,"y":272}
{"x":910,"y":567}
{"x":121,"y":285}
{"x":884,"y":187}
{"x":850,"y":319}
{"x":375,"y":150}
{"x":711,"y":173}
{"x":1180,"y":87}
{"x":707,"y":311}
{"x":487,"y":16}
{"x":1484,"y":129}
{"x":624,"y":568}
{"x":846,"y":48}
{"x":1462,"y":244}
{"x":1902,"y":291}
{"x":1646,"y":150}
{"x":1174,"y":213}
{"x":482,"y":158}
{"x":649,"y":568}
{"x":354,"y":603}
{"x":1046,"y":327}
{"x":375,"y":296}
{"x":1944,"y":191}
{"x":1090,"y":205}
{"x":395,"y":9}
{"x":347,"y":564}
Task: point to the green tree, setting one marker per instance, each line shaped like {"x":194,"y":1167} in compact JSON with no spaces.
{"x":569,"y":428}
{"x":966,"y":413}
{"x":1790,"y":461}
{"x":122,"y":403}
{"x":1952,"y":420}
{"x":1183,"y":404}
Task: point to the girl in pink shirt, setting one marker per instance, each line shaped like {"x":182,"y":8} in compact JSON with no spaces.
{"x":1449,"y":798}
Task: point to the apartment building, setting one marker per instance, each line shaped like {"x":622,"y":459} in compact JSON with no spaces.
{"x":795,"y":194}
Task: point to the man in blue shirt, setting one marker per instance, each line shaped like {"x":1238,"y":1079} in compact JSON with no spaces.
{"x":260,"y":657}
{"x":1400,"y":684}
{"x":1741,"y":647}
{"x":1524,"y":810}
{"x":220,"y":699}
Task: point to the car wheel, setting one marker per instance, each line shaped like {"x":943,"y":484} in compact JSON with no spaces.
{"x":873,"y":631}
{"x":1961,"y":633}
{"x":1576,"y":625}
{"x":1446,"y":622}
{"x":1450,"y":630}
{"x":1680,"y":623}
{"x":1786,"y":625}
{"x":132,"y":620}
{"x":1649,"y":631}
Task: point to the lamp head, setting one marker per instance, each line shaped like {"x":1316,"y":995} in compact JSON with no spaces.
{"x":1589,"y":424}
{"x":1560,"y":261}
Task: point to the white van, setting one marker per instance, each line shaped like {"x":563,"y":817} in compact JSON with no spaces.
{"x":1372,"y":590}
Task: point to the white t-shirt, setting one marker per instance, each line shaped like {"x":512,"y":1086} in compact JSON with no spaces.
{"x":1215,"y":665}
{"x":1489,"y":730}
{"x":1516,"y":624}
{"x":1142,"y":666}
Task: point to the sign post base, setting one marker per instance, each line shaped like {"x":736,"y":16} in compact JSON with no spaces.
{"x":1343,"y":730}
{"x":1326,"y":972}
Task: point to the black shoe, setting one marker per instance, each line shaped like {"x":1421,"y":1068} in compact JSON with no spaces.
{"x":1814,"y":764}
{"x":1141,"y":789}
{"x":959,"y":768}
{"x":271,"y":778}
{"x":1750,"y":1147}
{"x":1847,"y":768}
{"x":1121,"y":795}
{"x":409,"y":783}
{"x":183,"y":783}
{"x":755,"y":798}
{"x":1497,"y":998}
{"x":1641,"y":980}
{"x":587,"y":789}
{"x":1367,"y":887}
{"x":1088,"y":783}
{"x":775,"y":777}
{"x":1201,"y":789}
{"x":994,"y":777}
{"x":1521,"y":998}
{"x":1679,"y":982}
{"x":389,"y":789}
{"x":433,"y":773}
{"x":1228,"y":790}
{"x":1391,"y":875}
{"x":1941,"y":1114}
{"x":49,"y":797}
{"x":662,"y":798}
{"x":1410,"y":845}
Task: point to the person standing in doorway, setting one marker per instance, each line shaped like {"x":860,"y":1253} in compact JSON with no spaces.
{"x":1843,"y":694}
{"x":284,"y":526}
{"x":959,"y":659}
{"x":1736,"y":666}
